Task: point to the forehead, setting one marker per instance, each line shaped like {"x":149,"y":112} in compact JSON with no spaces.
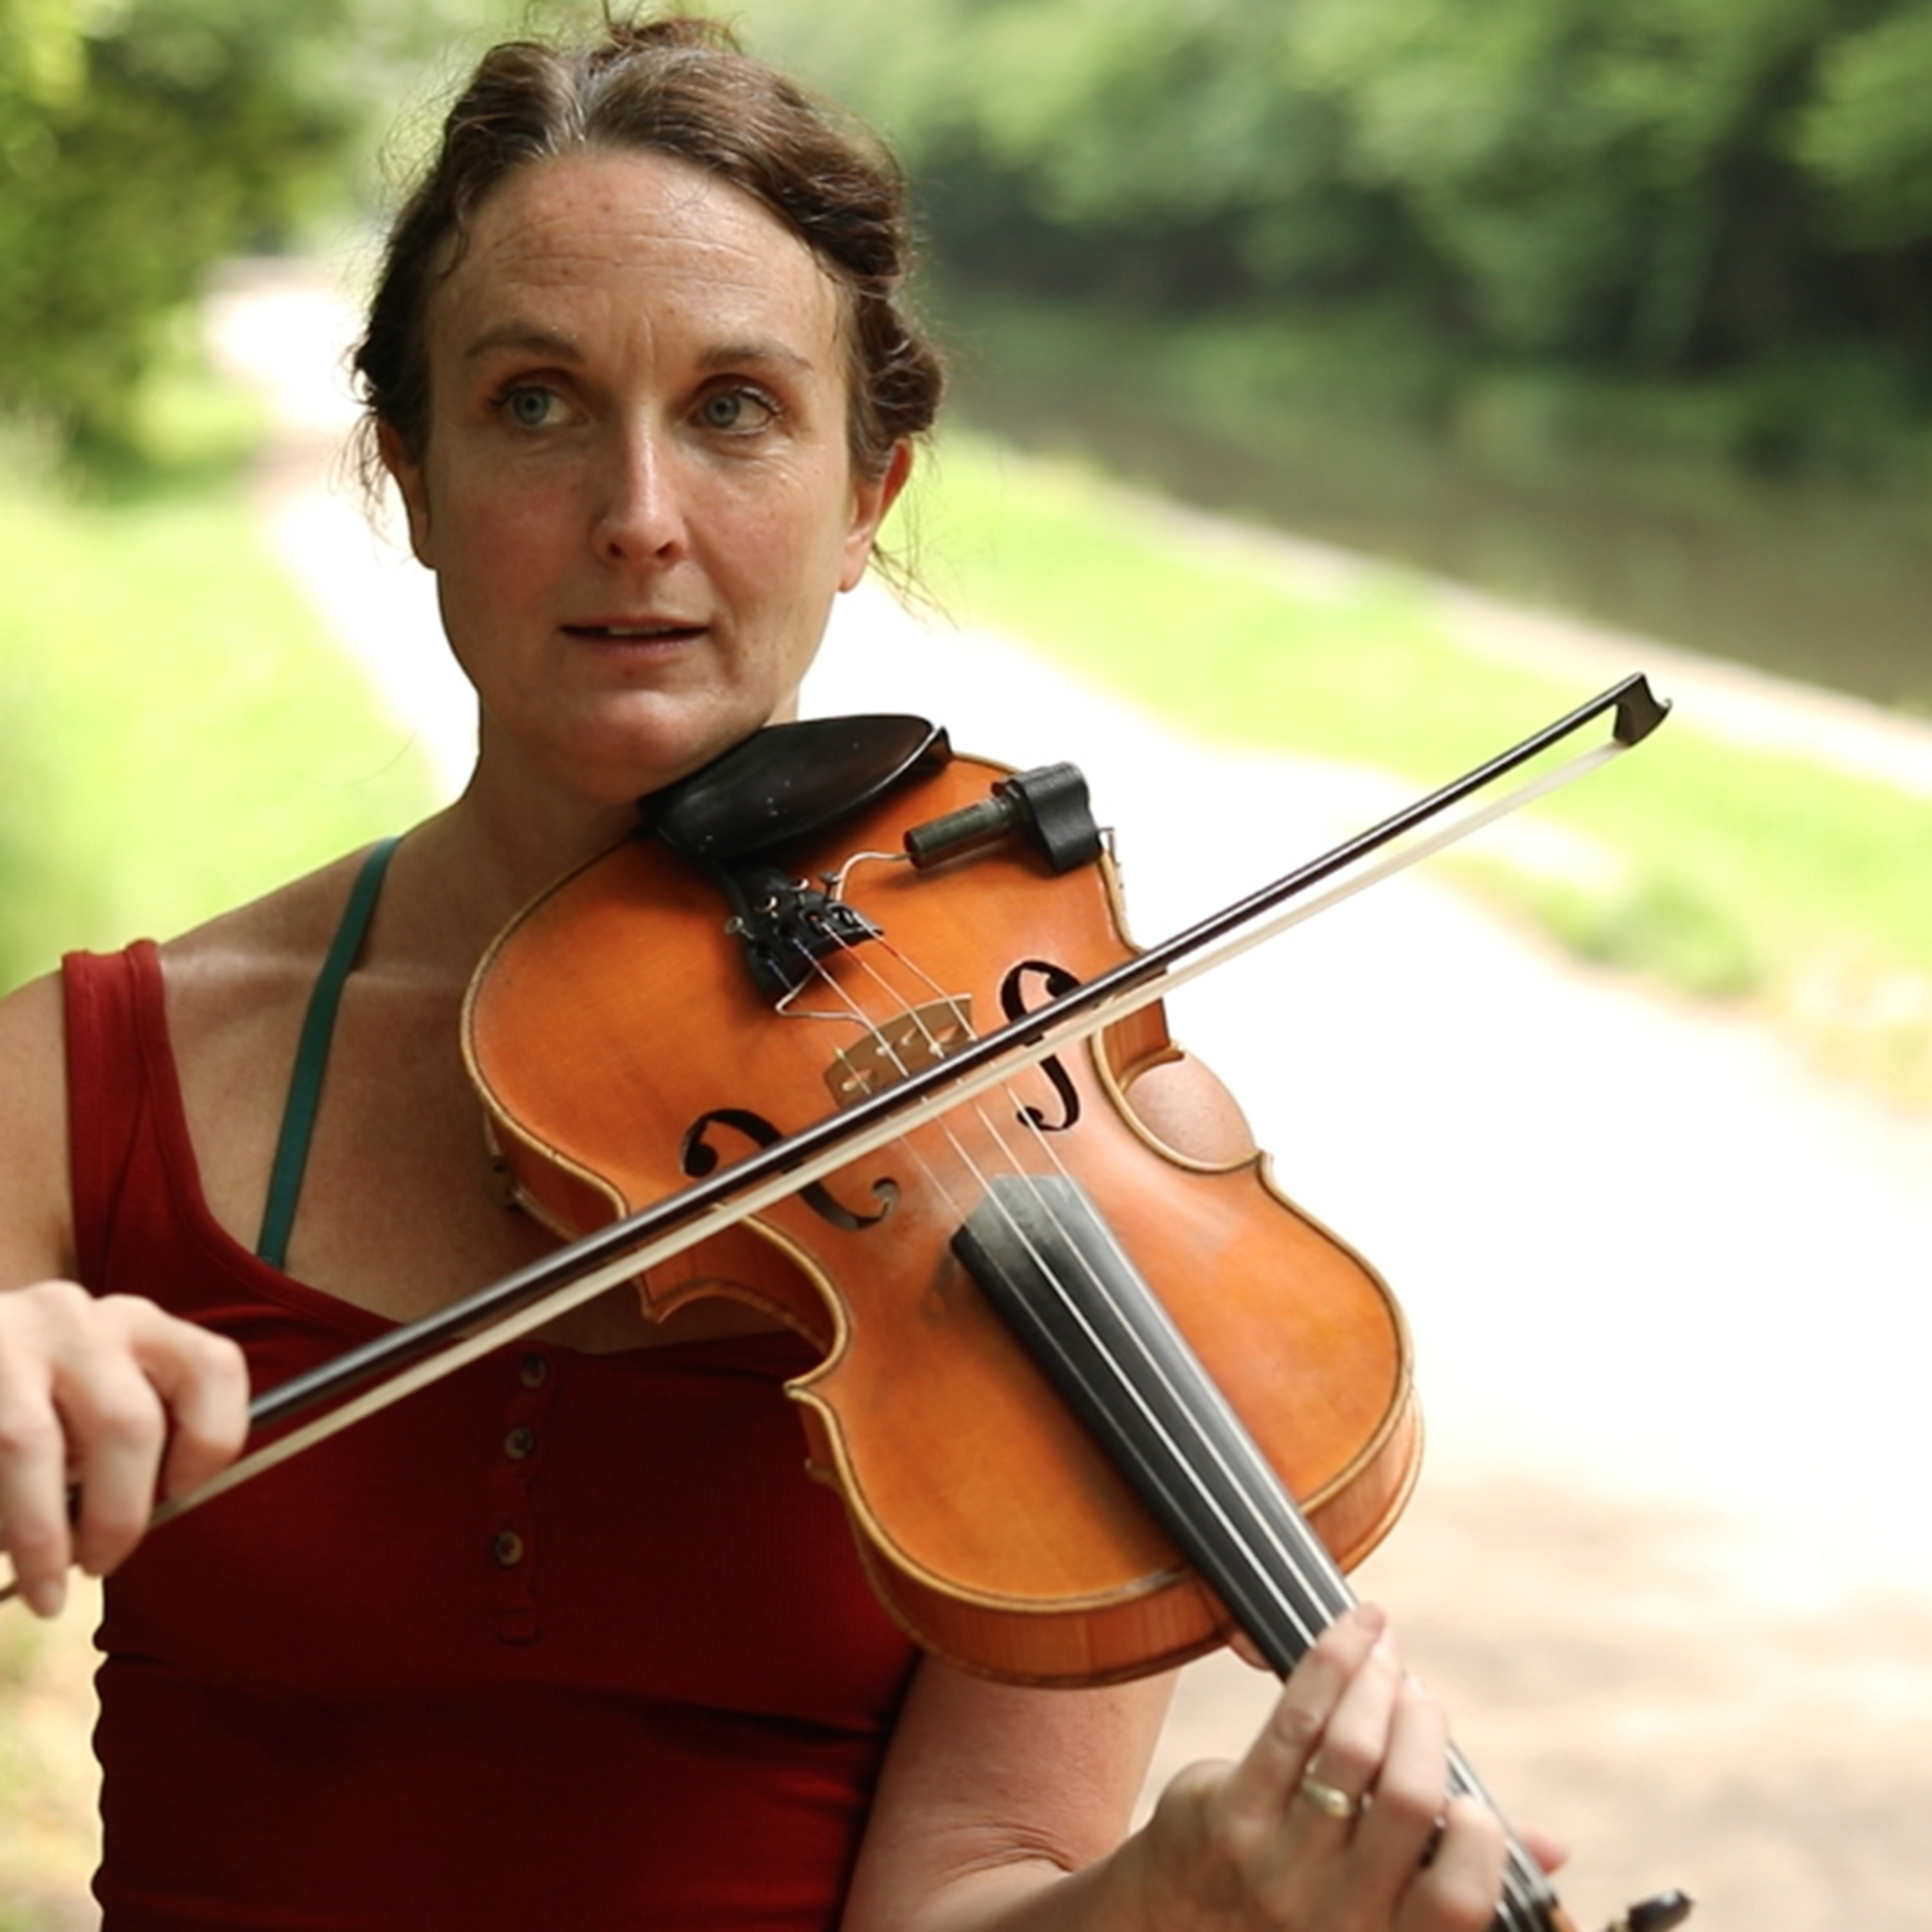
{"x":638,"y":240}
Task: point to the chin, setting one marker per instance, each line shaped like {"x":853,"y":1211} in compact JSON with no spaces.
{"x":626,"y":773}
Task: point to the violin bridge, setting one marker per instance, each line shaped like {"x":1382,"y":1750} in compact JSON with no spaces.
{"x":920,"y":1037}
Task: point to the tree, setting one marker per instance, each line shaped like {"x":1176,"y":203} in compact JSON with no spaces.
{"x":1866,"y":134}
{"x":143,"y":139}
{"x":1675,"y":186}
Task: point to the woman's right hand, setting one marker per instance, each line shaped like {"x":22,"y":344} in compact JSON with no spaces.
{"x":107,"y":1406}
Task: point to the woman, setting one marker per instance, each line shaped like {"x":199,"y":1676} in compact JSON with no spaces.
{"x":565,"y":1641}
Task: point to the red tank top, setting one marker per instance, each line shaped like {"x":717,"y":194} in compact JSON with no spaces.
{"x":566,"y":1642}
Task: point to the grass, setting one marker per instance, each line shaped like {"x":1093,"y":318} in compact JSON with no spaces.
{"x":1722,"y":872}
{"x":180,"y":732}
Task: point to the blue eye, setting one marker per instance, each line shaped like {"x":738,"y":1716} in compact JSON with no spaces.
{"x":531,"y":408}
{"x":735,"y":409}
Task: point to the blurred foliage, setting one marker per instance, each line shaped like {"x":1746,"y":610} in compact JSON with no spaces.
{"x":1866,"y":135}
{"x":1688,"y":188}
{"x":141,"y":139}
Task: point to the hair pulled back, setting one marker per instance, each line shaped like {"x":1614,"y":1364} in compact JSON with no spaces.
{"x":681,"y":87}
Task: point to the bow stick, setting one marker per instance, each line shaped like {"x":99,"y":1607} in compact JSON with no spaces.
{"x":425,"y":1350}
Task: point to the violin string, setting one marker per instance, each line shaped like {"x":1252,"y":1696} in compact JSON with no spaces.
{"x":1049,"y":1153}
{"x":1325,"y":1576}
{"x":1308,"y":1562}
{"x":1310,"y":1565}
{"x":1019,"y":1170}
{"x":854,"y":1010}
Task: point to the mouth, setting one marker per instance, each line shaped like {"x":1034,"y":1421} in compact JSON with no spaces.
{"x":648,"y":631}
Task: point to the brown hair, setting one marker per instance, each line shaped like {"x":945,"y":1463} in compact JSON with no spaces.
{"x":680,"y":87}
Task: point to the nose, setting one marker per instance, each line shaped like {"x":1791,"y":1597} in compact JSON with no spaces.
{"x":640,"y":513}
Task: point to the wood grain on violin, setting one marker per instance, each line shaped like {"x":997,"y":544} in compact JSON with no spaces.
{"x":622,"y":1048}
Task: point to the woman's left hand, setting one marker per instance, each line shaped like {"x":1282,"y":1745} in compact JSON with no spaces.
{"x":1338,"y":1819}
{"x":1002,"y":1810}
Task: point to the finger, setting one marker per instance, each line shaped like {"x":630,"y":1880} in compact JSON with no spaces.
{"x":1399,"y":1829}
{"x":34,"y":1525}
{"x":161,"y":1405}
{"x":202,"y":1379}
{"x":116,"y":1429}
{"x":1349,"y":1756}
{"x":1462,"y":1886}
{"x":1262,"y":1785}
{"x":1549,"y":1852}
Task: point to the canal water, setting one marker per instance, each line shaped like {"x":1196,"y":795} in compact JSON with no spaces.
{"x":1828,"y":585}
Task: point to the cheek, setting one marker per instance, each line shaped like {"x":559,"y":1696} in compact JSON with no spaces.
{"x":496,"y":560}
{"x":496,"y":539}
{"x":813,"y":531}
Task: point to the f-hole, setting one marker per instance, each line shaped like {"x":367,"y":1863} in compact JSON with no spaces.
{"x":698,"y":1157}
{"x":1056,"y":980}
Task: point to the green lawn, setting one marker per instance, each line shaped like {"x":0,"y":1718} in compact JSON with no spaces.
{"x":180,"y":732}
{"x":1738,"y":874}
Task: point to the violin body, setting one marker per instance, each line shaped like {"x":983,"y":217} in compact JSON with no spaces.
{"x":622,"y":1048}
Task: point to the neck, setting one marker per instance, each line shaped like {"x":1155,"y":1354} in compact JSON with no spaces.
{"x":465,"y":871}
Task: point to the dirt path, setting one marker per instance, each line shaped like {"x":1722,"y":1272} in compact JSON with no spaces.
{"x":1671,"y":1292}
{"x":1668,"y":1558}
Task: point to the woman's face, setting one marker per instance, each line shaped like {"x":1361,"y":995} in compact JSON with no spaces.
{"x":637,"y":493}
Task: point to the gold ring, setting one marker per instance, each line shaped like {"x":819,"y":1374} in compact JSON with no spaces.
{"x":1330,"y":1798}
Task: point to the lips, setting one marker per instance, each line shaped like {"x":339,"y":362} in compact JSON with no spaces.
{"x":645,"y":631}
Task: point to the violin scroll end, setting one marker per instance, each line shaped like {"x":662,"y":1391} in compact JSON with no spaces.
{"x":1659,"y":1914}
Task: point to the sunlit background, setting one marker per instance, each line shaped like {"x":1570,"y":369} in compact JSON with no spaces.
{"x":1342,"y":389}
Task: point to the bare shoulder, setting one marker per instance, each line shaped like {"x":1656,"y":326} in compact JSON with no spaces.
{"x":1185,"y":1106}
{"x":243,"y":967}
{"x":36,"y":1201}
{"x":229,"y":981}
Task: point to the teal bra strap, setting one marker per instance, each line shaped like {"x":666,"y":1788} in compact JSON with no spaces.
{"x":285,"y":1179}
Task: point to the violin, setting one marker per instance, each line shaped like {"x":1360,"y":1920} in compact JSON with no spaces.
{"x":1092,"y":1405}
{"x":929,"y":1413}
{"x":1203,"y":1396}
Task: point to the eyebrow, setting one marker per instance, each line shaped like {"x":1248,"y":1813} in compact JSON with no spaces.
{"x":531,"y":338}
{"x":726,"y":353}
{"x":526,"y":336}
